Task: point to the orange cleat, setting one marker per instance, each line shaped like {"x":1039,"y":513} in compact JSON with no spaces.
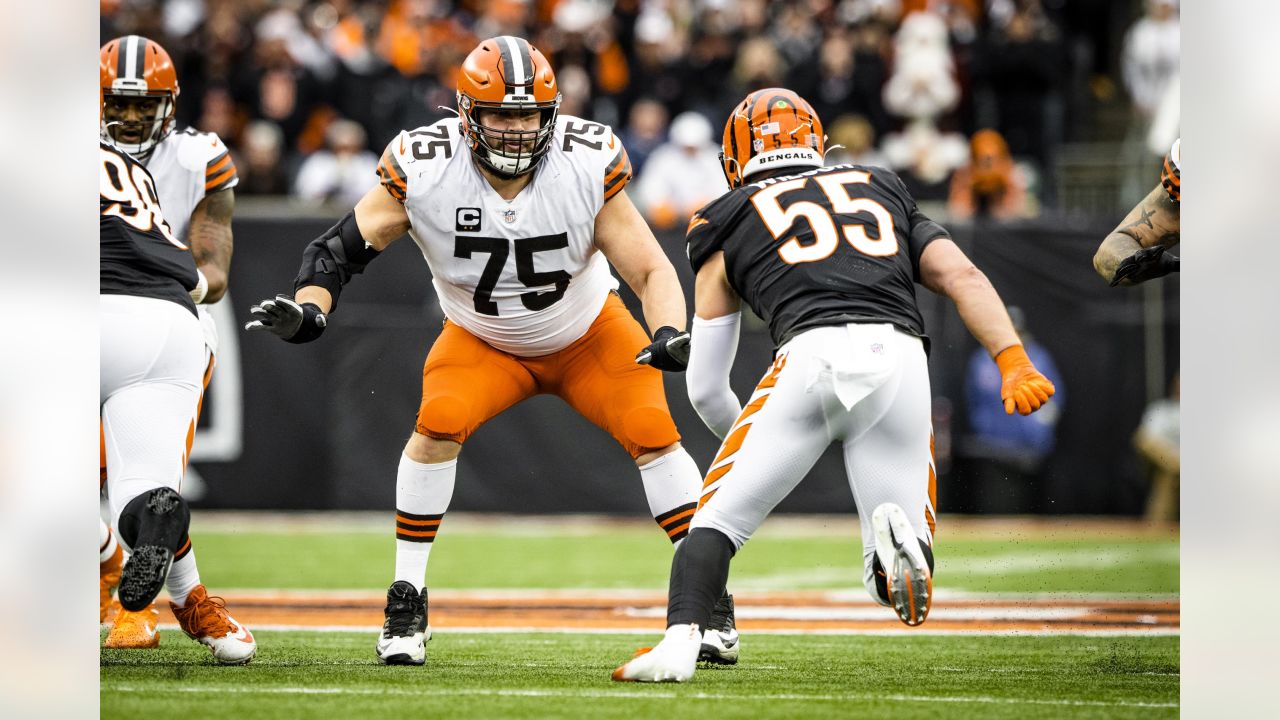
{"x":206,"y":620}
{"x":135,"y":630}
{"x":108,"y":580}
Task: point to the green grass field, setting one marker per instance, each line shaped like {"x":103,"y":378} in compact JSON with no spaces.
{"x":303,"y":674}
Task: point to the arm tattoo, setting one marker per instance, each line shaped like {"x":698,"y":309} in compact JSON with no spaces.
{"x":1144,"y":220}
{"x":211,"y":230}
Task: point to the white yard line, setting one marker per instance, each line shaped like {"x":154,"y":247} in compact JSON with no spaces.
{"x":657,"y":631}
{"x":634,"y":694}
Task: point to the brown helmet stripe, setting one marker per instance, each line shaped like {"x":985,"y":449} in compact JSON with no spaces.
{"x":132,"y":59}
{"x":517,"y":63}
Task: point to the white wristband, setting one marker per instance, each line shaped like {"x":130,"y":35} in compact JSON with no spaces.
{"x":201,"y":289}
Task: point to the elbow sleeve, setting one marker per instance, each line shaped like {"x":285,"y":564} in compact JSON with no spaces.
{"x":714,"y":344}
{"x":333,"y":258}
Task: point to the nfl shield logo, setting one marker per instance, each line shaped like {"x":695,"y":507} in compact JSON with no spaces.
{"x":509,"y":215}
{"x":877,"y":348}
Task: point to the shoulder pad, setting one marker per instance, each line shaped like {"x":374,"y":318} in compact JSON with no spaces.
{"x":595,"y":145}
{"x":411,"y":152}
{"x":704,"y":235}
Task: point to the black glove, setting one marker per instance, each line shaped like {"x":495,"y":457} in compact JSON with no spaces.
{"x":293,"y":322}
{"x":669,"y":350}
{"x":1147,"y":263}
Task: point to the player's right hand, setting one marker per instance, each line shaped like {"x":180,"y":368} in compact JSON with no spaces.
{"x":283,"y":317}
{"x":669,"y":350}
{"x":1146,"y":264}
{"x":1022,"y":387}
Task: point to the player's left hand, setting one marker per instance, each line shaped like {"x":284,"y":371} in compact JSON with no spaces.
{"x":1023,"y":387}
{"x":669,"y":350}
{"x":1146,"y":264}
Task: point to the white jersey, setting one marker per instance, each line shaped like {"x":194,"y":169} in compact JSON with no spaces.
{"x":523,"y":275}
{"x":187,"y":166}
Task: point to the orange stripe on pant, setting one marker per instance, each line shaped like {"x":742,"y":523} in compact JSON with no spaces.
{"x":733,"y":443}
{"x":465,"y":382}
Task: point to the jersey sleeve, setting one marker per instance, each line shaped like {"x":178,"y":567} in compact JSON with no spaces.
{"x":1171,"y":173}
{"x":705,"y":236}
{"x":220,"y":170}
{"x":921,"y":229}
{"x":618,"y":172}
{"x":391,"y":168}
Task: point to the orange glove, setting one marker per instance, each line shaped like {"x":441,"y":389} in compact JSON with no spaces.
{"x":1023,"y":387}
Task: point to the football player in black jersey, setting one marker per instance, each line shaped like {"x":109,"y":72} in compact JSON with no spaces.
{"x":151,"y":368}
{"x":1136,"y":250}
{"x":829,"y":258}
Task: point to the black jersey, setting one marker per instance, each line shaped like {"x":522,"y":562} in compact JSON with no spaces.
{"x":140,"y":255}
{"x":828,"y":246}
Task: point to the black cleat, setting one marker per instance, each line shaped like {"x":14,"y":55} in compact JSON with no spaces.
{"x":405,"y":632}
{"x":720,"y":641}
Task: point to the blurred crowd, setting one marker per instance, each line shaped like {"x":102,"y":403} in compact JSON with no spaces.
{"x":967,"y":99}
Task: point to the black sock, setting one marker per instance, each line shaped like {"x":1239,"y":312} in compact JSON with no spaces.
{"x":698,"y":576}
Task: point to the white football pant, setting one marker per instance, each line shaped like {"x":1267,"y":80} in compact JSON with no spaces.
{"x":152,"y":365}
{"x":864,"y":385}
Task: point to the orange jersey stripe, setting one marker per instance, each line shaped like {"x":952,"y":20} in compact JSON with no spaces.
{"x":417,"y":533}
{"x":677,"y":530}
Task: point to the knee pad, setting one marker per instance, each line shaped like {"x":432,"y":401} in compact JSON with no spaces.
{"x":162,"y":502}
{"x":446,"y":416}
{"x":648,"y":429}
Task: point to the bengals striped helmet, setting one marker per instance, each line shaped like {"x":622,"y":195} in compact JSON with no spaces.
{"x":508,"y":74}
{"x":137,"y":75}
{"x":770,"y":128}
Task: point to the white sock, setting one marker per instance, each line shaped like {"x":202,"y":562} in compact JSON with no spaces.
{"x":184,"y":576}
{"x":423,"y":492}
{"x":107,"y":542}
{"x":671,"y":485}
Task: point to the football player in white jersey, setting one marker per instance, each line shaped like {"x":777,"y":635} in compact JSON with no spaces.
{"x":194,"y":176}
{"x":519,"y":212}
{"x":1136,"y":250}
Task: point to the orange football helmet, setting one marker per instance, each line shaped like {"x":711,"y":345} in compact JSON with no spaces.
{"x":773,"y":127}
{"x":507,"y":73}
{"x":135,"y":67}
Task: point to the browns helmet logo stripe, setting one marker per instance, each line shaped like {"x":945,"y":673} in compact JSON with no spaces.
{"x":132,"y":58}
{"x":517,"y":64}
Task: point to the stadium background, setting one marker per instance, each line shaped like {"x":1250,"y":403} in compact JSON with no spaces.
{"x":278,"y":81}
